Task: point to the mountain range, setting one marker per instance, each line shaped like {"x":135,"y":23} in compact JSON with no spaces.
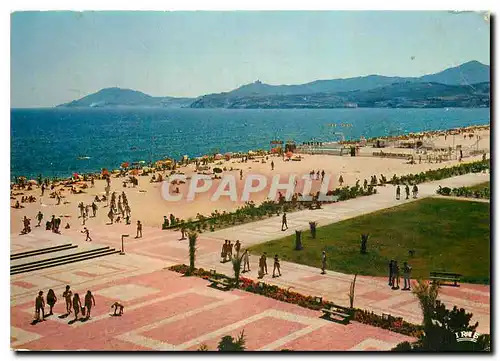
{"x":467,"y":85}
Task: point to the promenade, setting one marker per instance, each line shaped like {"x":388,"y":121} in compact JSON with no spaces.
{"x":165,"y":311}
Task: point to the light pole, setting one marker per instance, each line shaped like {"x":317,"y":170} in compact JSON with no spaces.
{"x":123,"y":249}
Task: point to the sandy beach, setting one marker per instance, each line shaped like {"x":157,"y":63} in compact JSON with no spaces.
{"x":148,"y":205}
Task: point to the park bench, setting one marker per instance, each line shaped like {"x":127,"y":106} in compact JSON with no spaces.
{"x":342,"y":314}
{"x":445,"y":276}
{"x":219,"y":283}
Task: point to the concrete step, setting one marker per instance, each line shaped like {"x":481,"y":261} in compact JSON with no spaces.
{"x":66,"y":256}
{"x":66,"y":260}
{"x":41,"y":251}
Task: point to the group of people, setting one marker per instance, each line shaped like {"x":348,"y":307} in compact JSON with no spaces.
{"x":315,"y":175}
{"x":73,"y":304}
{"x":395,"y":272}
{"x":227,"y":250}
{"x":85,"y":210}
{"x":120,"y":208}
{"x":169,"y":221}
{"x":407,"y":191}
{"x":263,"y":266}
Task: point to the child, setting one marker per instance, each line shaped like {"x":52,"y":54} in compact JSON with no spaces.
{"x":117,"y":305}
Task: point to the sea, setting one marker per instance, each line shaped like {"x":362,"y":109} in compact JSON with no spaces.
{"x":50,"y":141}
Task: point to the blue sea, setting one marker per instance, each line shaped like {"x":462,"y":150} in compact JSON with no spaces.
{"x":49,"y":141}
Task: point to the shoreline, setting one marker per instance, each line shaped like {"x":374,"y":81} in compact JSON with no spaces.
{"x":389,"y":138}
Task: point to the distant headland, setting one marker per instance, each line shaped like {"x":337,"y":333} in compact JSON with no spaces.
{"x":465,"y":86}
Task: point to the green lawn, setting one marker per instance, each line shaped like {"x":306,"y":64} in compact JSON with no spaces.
{"x":447,"y":235}
{"x":480,"y":186}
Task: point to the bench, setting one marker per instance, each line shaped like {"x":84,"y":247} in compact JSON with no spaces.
{"x":445,"y":276}
{"x":224,"y":283}
{"x":343,"y":314}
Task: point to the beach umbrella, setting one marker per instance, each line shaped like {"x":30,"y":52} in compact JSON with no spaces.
{"x":228,"y":155}
{"x":218,"y":156}
{"x":32,"y":181}
{"x":125,"y":165}
{"x":289,"y":154}
{"x":104,"y":171}
{"x":75,"y":175}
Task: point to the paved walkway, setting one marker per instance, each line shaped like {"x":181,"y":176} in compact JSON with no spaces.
{"x":268,"y":229}
{"x":165,"y":311}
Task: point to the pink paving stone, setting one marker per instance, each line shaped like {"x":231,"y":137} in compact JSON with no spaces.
{"x":206,"y":322}
{"x":23,"y":284}
{"x":466,"y":293}
{"x":376,"y":295}
{"x":97,"y":335}
{"x":171,"y":252}
{"x":259,"y":333}
{"x":312,"y":278}
{"x":334,"y":336}
{"x":84,"y":274}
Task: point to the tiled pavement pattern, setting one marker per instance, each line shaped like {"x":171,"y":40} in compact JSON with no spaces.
{"x":165,"y":311}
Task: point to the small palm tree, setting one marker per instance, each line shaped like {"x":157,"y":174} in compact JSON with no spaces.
{"x":228,"y":343}
{"x":236,"y":261}
{"x":427,"y":294}
{"x":193,"y":237}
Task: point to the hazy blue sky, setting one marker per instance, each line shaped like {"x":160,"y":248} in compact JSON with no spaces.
{"x":60,"y":56}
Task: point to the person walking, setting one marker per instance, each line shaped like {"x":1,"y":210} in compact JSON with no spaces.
{"x":341,"y":180}
{"x":398,"y":192}
{"x":391,"y":272}
{"x":51,"y":300}
{"x":77,"y":305}
{"x":406,"y":276}
{"x":395,"y":282}
{"x":39,"y":218}
{"x":94,"y":209}
{"x":407,"y":191}
{"x":223,"y":253}
{"x":89,"y":301}
{"x":272,"y":165}
{"x":87,"y":234}
{"x":67,"y":294}
{"x":139,"y":230}
{"x":323,"y":262}
{"x":415,"y":191}
{"x":283,"y":222}
{"x":246,"y":261}
{"x":39,"y":307}
{"x":264,"y":262}
{"x":237,"y":247}
{"x":111,"y":215}
{"x":261,"y":267}
{"x":276,"y":266}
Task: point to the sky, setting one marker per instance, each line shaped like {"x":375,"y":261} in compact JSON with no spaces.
{"x":57,"y":57}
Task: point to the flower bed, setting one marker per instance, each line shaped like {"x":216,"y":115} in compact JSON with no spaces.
{"x":313,"y":303}
{"x":441,"y":173}
{"x":250,"y":212}
{"x":466,"y":192}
